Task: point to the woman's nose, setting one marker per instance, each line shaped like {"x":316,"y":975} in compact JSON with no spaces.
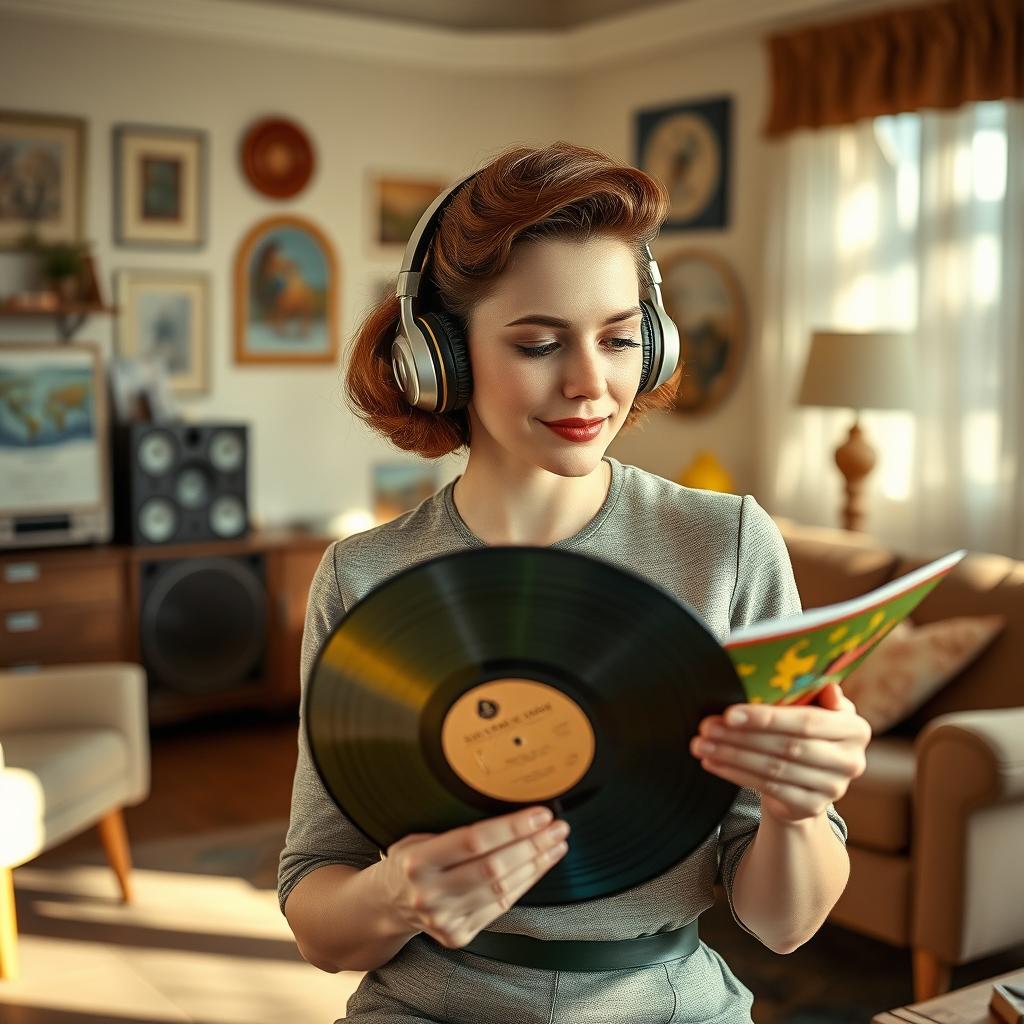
{"x":584,"y":373}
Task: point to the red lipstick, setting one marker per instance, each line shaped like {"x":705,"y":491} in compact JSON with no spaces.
{"x":576,"y":429}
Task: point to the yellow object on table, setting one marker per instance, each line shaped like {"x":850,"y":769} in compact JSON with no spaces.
{"x":707,"y":473}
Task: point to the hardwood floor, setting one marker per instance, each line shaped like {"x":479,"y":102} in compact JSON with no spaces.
{"x":210,"y":774}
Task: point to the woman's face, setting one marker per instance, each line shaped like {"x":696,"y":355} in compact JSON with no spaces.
{"x":575,"y":365}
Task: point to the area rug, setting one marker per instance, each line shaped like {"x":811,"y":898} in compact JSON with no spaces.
{"x":838,"y":977}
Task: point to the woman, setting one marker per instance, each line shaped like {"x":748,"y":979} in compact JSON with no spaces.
{"x":539,"y":261}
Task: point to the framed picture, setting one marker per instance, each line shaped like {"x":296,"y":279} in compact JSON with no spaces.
{"x":702,"y":295}
{"x":397,"y":205}
{"x":42,"y":178}
{"x":686,"y":146}
{"x":165,"y":317}
{"x":399,"y":486}
{"x":159,"y":187}
{"x":286,"y":294}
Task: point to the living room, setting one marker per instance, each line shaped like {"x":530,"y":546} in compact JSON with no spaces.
{"x":202,"y":205}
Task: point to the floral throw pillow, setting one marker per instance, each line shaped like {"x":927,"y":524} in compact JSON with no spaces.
{"x":913,"y":663}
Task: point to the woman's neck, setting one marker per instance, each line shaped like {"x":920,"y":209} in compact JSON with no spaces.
{"x":530,"y":506}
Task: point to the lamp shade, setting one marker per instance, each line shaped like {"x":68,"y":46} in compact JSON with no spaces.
{"x":858,"y":370}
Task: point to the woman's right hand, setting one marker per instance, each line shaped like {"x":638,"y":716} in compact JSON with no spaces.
{"x":453,"y":884}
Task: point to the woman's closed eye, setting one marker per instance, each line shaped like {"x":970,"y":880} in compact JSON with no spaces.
{"x":619,"y":345}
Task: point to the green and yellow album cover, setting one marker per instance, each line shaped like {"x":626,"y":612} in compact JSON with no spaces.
{"x":789,"y":661}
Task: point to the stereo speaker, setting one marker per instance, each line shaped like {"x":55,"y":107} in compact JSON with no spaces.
{"x":203,"y":623}
{"x":179,"y":483}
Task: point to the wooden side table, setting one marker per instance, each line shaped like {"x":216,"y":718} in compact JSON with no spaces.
{"x":963,"y":1006}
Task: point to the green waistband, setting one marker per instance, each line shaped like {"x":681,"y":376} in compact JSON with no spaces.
{"x":572,"y":955}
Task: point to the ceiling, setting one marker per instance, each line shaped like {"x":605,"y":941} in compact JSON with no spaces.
{"x":481,"y":15}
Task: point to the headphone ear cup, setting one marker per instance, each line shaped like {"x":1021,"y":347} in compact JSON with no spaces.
{"x":649,"y":340}
{"x":457,"y":383}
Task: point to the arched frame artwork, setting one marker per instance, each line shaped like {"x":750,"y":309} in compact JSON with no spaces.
{"x":286,"y":294}
{"x":703,"y":296}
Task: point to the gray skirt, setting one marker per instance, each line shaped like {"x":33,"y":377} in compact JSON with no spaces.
{"x":425,"y":982}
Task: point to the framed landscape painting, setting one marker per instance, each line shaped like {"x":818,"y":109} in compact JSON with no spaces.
{"x":286,"y":294}
{"x":397,"y":205}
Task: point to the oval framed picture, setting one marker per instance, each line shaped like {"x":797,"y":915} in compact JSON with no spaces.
{"x":702,"y":295}
{"x":286,"y":294}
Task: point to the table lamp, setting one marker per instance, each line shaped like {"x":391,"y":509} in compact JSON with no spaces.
{"x":857,"y":371}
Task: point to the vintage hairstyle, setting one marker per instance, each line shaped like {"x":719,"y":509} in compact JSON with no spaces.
{"x":563,"y":191}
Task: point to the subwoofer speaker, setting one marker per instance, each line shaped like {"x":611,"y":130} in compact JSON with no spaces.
{"x":203,"y":623}
{"x":178,"y":483}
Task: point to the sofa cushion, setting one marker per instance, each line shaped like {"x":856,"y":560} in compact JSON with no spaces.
{"x":877,"y":806}
{"x":830,"y":566}
{"x":982,"y":584}
{"x":913,"y":662}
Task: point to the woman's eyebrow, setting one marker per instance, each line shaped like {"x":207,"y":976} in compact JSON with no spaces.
{"x":544,"y":320}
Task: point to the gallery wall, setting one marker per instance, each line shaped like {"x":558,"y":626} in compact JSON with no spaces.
{"x":311,"y":458}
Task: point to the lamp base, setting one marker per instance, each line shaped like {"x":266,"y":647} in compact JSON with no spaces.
{"x":855,"y":459}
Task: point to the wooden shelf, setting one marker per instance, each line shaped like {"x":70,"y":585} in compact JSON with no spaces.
{"x":64,"y":309}
{"x":69,"y":315}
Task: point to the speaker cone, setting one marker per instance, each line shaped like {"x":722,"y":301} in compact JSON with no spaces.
{"x":227,"y":516}
{"x":226,"y":451}
{"x":158,"y":520}
{"x":156,"y":453}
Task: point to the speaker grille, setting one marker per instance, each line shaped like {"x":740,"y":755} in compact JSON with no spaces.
{"x":203,"y":623}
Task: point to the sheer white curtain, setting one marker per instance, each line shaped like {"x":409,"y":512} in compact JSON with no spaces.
{"x":915,"y":223}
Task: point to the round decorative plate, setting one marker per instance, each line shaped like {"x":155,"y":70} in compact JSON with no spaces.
{"x":277,"y":157}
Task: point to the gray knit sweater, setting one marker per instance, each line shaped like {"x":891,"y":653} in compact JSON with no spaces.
{"x":720,"y":553}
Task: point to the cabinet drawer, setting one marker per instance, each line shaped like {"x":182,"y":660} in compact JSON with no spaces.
{"x":53,"y":636}
{"x":32,"y":583}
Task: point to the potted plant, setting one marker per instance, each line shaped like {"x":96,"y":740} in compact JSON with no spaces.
{"x":62,"y":264}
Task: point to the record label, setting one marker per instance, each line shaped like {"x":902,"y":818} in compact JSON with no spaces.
{"x":518,"y":740}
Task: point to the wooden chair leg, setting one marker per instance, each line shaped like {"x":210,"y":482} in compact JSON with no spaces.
{"x":931,"y":975}
{"x":8,"y":927}
{"x":115,"y":843}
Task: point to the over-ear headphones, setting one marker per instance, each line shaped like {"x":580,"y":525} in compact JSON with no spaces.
{"x":430,"y":357}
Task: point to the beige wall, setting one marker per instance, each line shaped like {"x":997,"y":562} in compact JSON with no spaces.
{"x":602,"y":115}
{"x":311,"y":458}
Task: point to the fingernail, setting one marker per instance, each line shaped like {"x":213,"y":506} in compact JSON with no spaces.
{"x":736,"y":717}
{"x":540,"y":818}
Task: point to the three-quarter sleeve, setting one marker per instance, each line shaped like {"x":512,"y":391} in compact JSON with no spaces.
{"x":764,"y":589}
{"x":318,"y":833}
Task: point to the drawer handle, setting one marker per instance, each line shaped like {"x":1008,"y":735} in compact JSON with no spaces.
{"x":21,"y":572}
{"x":23,"y":622}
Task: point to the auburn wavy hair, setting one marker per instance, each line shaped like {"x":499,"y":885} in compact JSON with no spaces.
{"x":562,"y":191}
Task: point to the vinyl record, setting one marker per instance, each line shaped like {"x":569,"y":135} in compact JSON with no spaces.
{"x":476,"y":683}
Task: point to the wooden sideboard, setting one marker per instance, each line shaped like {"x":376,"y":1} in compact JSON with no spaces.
{"x":82,"y":604}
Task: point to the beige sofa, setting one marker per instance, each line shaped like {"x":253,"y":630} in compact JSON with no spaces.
{"x":74,"y":750}
{"x":937,"y":819}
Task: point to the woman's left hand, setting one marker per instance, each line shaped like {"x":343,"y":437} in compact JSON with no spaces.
{"x":799,"y":758}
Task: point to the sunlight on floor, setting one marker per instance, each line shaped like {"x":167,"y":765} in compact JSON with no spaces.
{"x":192,"y":947}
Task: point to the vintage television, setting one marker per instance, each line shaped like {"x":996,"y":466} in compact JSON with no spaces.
{"x":54,"y":446}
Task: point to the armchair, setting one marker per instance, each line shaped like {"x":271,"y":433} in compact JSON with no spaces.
{"x":936,"y":822}
{"x":74,"y":750}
